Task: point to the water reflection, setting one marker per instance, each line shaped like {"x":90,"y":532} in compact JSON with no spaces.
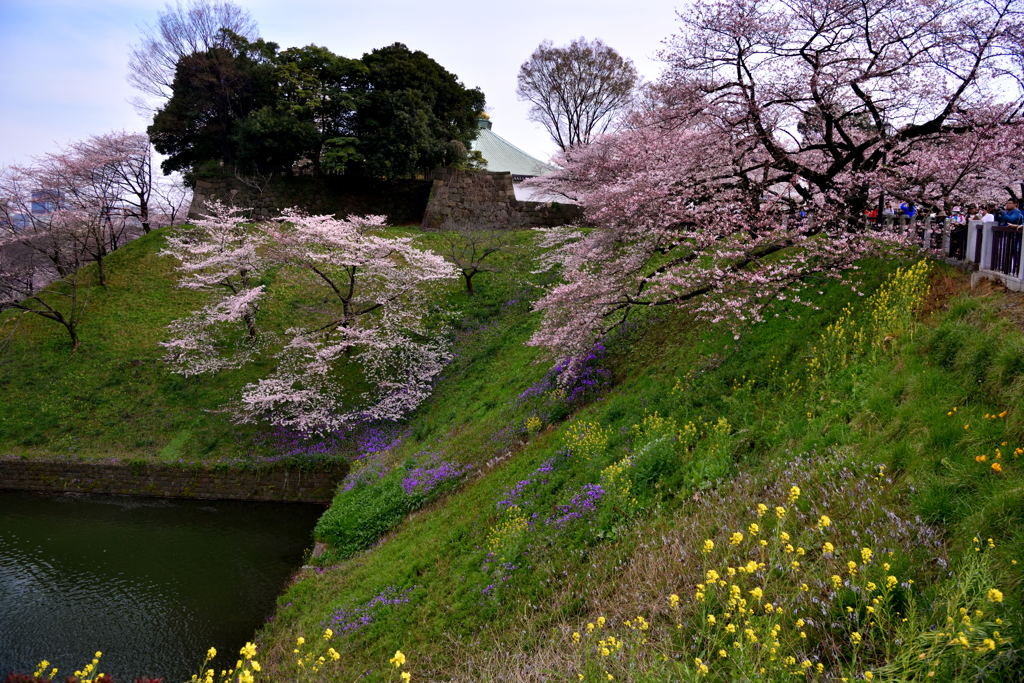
{"x":151,"y":582}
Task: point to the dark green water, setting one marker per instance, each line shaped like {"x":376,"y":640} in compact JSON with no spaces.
{"x":152,"y":583}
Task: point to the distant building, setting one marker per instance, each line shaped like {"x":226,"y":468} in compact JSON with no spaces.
{"x":45,"y":201}
{"x":501,"y":155}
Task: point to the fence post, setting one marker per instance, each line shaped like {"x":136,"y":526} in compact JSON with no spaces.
{"x":1020,"y":263}
{"x":972,"y":236}
{"x":986,"y":247}
{"x":947,"y":237}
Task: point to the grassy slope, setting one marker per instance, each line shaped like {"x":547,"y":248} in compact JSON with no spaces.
{"x":888,"y":409}
{"x":115,"y":398}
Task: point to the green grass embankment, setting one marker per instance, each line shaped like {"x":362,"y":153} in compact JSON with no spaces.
{"x":499,"y":581}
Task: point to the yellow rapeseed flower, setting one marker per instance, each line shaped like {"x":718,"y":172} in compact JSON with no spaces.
{"x":248,"y":650}
{"x":211,"y":653}
{"x":398,"y":660}
{"x":709,"y":545}
{"x":828,"y":547}
{"x":736,"y":538}
{"x":761,"y":509}
{"x":406,"y":676}
{"x":995,"y":595}
{"x":794,"y":493}
{"x":865,"y":554}
{"x":824,"y":522}
{"x":780,"y":511}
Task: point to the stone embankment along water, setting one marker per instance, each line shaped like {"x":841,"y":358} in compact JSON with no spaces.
{"x":269,"y":483}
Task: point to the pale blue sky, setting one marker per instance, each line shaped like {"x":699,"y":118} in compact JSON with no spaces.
{"x":62,"y":76}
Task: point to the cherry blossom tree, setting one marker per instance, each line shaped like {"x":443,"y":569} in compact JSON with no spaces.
{"x":369,"y":352}
{"x":221,"y":255}
{"x":31,"y":257}
{"x":750,"y":164}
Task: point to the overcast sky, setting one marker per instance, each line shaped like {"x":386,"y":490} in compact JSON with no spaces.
{"x":62,"y":76}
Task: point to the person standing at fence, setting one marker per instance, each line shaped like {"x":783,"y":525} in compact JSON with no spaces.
{"x":989,"y":214}
{"x":908,"y":209}
{"x":1011,"y":215}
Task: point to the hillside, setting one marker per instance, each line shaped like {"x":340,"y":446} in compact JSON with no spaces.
{"x":604,"y":540}
{"x":693,"y":505}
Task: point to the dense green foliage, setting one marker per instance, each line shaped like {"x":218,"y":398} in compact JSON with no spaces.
{"x":257,"y":110}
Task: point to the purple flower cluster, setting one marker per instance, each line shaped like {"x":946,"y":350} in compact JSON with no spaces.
{"x":513,"y":494}
{"x":378,"y":439}
{"x":289,"y":443}
{"x":579,"y":377}
{"x":348,"y":619}
{"x":584,"y":502}
{"x":423,"y":479}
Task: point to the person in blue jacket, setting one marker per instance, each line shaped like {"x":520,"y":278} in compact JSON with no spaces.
{"x":908,"y":209}
{"x":1011,"y":215}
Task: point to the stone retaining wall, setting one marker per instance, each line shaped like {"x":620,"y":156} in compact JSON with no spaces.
{"x":402,"y":201}
{"x":485,"y":200}
{"x":277,"y":484}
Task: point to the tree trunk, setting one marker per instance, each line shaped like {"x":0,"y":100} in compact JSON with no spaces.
{"x":469,"y":281}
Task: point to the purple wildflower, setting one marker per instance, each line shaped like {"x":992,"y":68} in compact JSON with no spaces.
{"x":584,"y":502}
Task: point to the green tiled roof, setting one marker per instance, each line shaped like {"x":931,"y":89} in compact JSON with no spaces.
{"x":502,"y":155}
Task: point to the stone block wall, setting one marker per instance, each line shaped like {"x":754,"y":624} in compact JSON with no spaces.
{"x":474,"y":199}
{"x":171,"y":481}
{"x":487,"y":200}
{"x":402,"y":201}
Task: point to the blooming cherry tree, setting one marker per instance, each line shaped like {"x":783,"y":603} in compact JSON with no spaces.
{"x":220,"y":254}
{"x":751,"y":163}
{"x":372,"y":349}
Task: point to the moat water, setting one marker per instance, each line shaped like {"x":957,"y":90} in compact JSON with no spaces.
{"x":152,"y":583}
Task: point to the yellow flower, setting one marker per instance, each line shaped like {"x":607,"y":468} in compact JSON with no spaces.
{"x":865,"y":554}
{"x":754,"y":529}
{"x":673,"y":600}
{"x":794,"y":493}
{"x":333,"y":654}
{"x":406,"y":676}
{"x":855,"y":638}
{"x":211,"y":653}
{"x":723,"y":654}
{"x":328,"y":634}
{"x":600,"y":622}
{"x":761,"y":509}
{"x":300,"y":641}
{"x":248,"y":650}
{"x":709,"y":545}
{"x":828,"y":547}
{"x":736,"y":538}
{"x":824,"y":522}
{"x":996,"y":467}
{"x":868,"y":676}
{"x":837,"y":580}
{"x":780,"y":511}
{"x":995,"y":595}
{"x":255,"y":665}
{"x":712,"y":576}
{"x":575,"y":636}
{"x":398,"y":660}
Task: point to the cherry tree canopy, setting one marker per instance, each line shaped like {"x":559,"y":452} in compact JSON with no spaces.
{"x":370,"y":351}
{"x":750,"y":164}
